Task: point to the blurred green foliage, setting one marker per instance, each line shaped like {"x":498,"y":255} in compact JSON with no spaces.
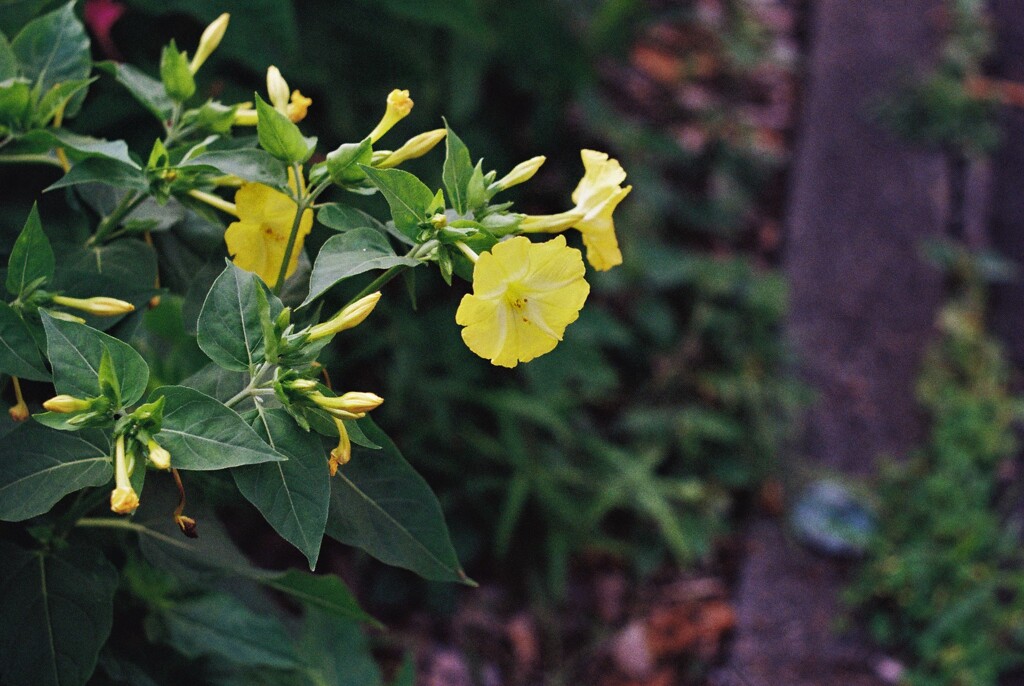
{"x":942,"y":583}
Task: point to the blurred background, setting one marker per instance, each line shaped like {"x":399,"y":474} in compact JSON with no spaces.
{"x":779,"y":446}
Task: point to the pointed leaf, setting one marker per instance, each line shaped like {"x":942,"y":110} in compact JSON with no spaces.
{"x":407,"y":196}
{"x":76,"y":351}
{"x":293,"y":496}
{"x":148,"y":91}
{"x":229,"y":323}
{"x":380,"y":504}
{"x":31,"y":257}
{"x":58,"y":611}
{"x":19,"y":355}
{"x":458,"y":169}
{"x":328,"y":593}
{"x":42,"y":465}
{"x":279,"y":136}
{"x":351,"y":253}
{"x":250,"y":164}
{"x":202,"y":434}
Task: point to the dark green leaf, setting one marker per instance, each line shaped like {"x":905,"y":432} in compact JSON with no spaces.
{"x":328,"y":593}
{"x":202,"y":434}
{"x":458,"y":169}
{"x":407,"y":197}
{"x":57,"y":98}
{"x":8,"y":60}
{"x":229,"y":328}
{"x":220,"y":626}
{"x":19,"y":355}
{"x":53,"y":49}
{"x":343,"y":163}
{"x":42,"y":465}
{"x":279,"y":136}
{"x":148,"y":91}
{"x":103,"y":170}
{"x":380,"y":504}
{"x":337,"y":652}
{"x":344,"y":218}
{"x":76,"y":350}
{"x":294,"y":495}
{"x":247,"y":163}
{"x":58,"y":609}
{"x":77,"y":146}
{"x":351,"y":253}
{"x":31,"y":257}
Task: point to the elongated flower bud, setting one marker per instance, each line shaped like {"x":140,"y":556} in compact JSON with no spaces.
{"x":277,"y":89}
{"x":521,"y":173}
{"x":353,"y":403}
{"x":65,"y":316}
{"x":123,"y":499}
{"x":417,"y":146}
{"x":343,"y":452}
{"x":302,"y":384}
{"x":350,"y":316}
{"x":245,"y":116}
{"x":399,"y":107}
{"x":66,"y":403}
{"x":550,"y":223}
{"x":209,"y":41}
{"x":101,"y":306}
{"x":159,"y":456}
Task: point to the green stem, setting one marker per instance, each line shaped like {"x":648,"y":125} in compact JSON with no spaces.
{"x":390,"y":274}
{"x":300,"y":208}
{"x":128,"y":203}
{"x":110,"y":523}
{"x":28,"y":159}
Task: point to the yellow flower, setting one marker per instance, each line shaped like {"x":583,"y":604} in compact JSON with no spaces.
{"x":258,"y":239}
{"x":298,"y":106}
{"x":524,"y":295}
{"x":399,"y":105}
{"x":342,"y":453}
{"x":596,"y":196}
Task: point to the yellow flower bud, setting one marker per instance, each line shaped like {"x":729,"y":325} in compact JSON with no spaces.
{"x":66,"y":403}
{"x":123,"y":499}
{"x":159,"y":456}
{"x":439,"y":220}
{"x":343,"y":452}
{"x":521,"y":173}
{"x":352,"y":405}
{"x":417,"y":146}
{"x":101,"y":306}
{"x":350,"y":316}
{"x":399,"y":107}
{"x":245,"y":116}
{"x":277,"y":89}
{"x":298,"y":106}
{"x":65,"y":316}
{"x":550,"y":223}
{"x":209,"y":41}
{"x":302,"y":385}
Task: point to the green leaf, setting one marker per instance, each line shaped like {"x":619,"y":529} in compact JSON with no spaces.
{"x":31,"y":257}
{"x":76,"y":351}
{"x":337,"y":653}
{"x":42,"y":465}
{"x":54,"y":49}
{"x":123,"y":269}
{"x":58,"y":97}
{"x":294,"y":495}
{"x":229,"y":328}
{"x":325,"y":592}
{"x":19,"y":355}
{"x":145,"y":89}
{"x":103,"y":170}
{"x":458,"y":169}
{"x":220,"y":626}
{"x":202,"y":434}
{"x":279,"y":136}
{"x":15,"y":104}
{"x":8,"y":60}
{"x":247,"y":163}
{"x":381,"y":505}
{"x":58,"y":611}
{"x":345,"y":218}
{"x":351,"y":253}
{"x":77,"y":146}
{"x":407,"y":196}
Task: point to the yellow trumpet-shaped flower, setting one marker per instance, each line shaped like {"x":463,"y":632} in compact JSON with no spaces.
{"x":398,"y":108}
{"x":524,"y":295}
{"x":596,"y":196}
{"x":257,"y":241}
{"x":342,"y":453}
{"x":123,"y":499}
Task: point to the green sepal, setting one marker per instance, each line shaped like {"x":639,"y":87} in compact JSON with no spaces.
{"x":175,"y":73}
{"x":343,"y":163}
